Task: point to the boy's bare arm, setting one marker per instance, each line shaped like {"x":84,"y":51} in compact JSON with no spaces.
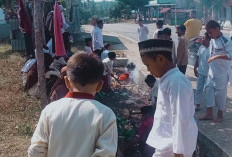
{"x":178,"y":155}
{"x":224,"y":57}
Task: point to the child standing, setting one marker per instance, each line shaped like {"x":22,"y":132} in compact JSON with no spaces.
{"x":108,"y":70}
{"x":174,"y":131}
{"x":159,"y":25}
{"x":77,"y":125}
{"x":152,"y":83}
{"x":201,"y":69}
{"x":142,"y":31}
{"x":219,"y":71}
{"x":182,"y":49}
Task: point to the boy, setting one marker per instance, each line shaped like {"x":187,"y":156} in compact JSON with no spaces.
{"x":108,"y":70}
{"x":201,"y":69}
{"x":88,"y":45}
{"x":219,"y":71}
{"x":159,"y":25}
{"x":152,"y":83}
{"x":142,"y":31}
{"x":167,"y":32}
{"x":97,"y":37}
{"x":105,"y":53}
{"x":77,"y":125}
{"x":174,"y":131}
{"x":182,"y":49}
{"x":143,"y":132}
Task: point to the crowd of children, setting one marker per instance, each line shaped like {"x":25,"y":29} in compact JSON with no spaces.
{"x":74,"y":124}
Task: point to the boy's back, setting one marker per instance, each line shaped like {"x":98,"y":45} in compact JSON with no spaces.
{"x":76,"y":127}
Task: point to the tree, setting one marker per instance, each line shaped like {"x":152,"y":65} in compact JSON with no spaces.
{"x":38,"y":24}
{"x":134,"y":4}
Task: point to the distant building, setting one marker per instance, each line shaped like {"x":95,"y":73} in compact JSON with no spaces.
{"x":171,"y":11}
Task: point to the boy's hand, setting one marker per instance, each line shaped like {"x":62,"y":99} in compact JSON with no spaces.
{"x":196,"y":72}
{"x":178,"y":155}
{"x":211,"y":59}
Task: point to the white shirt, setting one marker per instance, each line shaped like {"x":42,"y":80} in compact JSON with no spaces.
{"x":108,"y":66}
{"x":104,"y":54}
{"x":143,"y":32}
{"x":88,"y":50}
{"x":174,"y":125}
{"x":155,"y":35}
{"x":97,"y":38}
{"x":219,"y":69}
{"x":203,"y":65}
{"x":72,"y":127}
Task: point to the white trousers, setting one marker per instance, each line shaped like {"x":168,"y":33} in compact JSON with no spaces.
{"x":216,"y":97}
{"x":201,"y":79}
{"x":166,"y":153}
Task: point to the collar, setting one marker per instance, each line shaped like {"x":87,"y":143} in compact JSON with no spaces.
{"x":168,"y":73}
{"x":79,"y":95}
{"x":219,"y":36}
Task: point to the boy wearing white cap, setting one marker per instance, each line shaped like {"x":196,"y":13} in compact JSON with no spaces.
{"x":174,"y":131}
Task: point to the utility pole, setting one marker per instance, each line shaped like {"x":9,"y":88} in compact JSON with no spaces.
{"x":38,"y":24}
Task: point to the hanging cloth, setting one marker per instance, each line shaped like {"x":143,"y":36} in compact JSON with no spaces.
{"x":58,"y":25}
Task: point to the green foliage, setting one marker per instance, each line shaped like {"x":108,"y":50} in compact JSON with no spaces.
{"x":134,"y":4}
{"x":124,"y":129}
{"x":25,"y":130}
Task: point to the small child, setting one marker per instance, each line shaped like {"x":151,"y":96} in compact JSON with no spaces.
{"x":105,"y":53}
{"x":201,"y":69}
{"x":143,"y":132}
{"x":77,"y":125}
{"x":88,"y":45}
{"x":108,"y":70}
{"x":152,"y":83}
{"x":174,"y":131}
{"x":159,"y":25}
{"x":142,"y":31}
{"x":182,"y":49}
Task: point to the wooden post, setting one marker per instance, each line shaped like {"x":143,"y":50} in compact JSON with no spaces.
{"x":38,"y":24}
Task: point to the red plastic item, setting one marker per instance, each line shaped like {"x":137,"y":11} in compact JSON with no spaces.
{"x":124,"y":76}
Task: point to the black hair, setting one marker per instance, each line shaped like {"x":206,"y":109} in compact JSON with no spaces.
{"x":99,"y":22}
{"x":181,"y":27}
{"x":167,"y":31}
{"x":150,"y":79}
{"x":207,"y":36}
{"x":153,"y":55}
{"x":87,"y":40}
{"x":98,"y":52}
{"x":148,"y":110}
{"x":84,"y":69}
{"x":160,"y":23}
{"x":112,"y":55}
{"x":107,"y":46}
{"x":160,"y":33}
{"x":212,"y":24}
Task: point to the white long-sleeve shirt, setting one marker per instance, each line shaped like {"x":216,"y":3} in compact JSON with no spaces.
{"x":75,"y":127}
{"x":219,"y":69}
{"x":143,"y":33}
{"x":174,"y":125}
{"x":97,"y":38}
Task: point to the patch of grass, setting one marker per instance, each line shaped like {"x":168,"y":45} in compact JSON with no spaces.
{"x":18,"y":112}
{"x":25,"y":129}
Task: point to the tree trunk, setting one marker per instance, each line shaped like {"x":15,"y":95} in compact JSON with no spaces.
{"x":38,"y":24}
